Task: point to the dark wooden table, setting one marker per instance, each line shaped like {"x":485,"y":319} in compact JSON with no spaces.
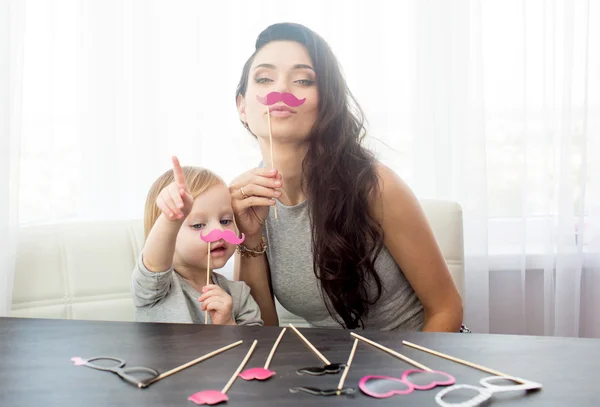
{"x":35,"y":366}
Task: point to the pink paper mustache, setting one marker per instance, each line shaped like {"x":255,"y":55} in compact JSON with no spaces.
{"x":226,"y":235}
{"x":285,"y":97}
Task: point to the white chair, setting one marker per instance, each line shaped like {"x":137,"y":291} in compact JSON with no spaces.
{"x":83,"y":270}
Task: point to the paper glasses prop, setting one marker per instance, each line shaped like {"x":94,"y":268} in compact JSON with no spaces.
{"x":422,"y":378}
{"x":213,"y":236}
{"x":460,"y":398}
{"x":482,"y":393}
{"x":215,"y":396}
{"x":272,"y":98}
{"x":263,"y":373}
{"x":116,"y":365}
{"x":340,"y":389}
{"x":329,"y":368}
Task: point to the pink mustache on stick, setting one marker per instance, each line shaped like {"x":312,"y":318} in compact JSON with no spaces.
{"x":285,"y":97}
{"x":226,"y":235}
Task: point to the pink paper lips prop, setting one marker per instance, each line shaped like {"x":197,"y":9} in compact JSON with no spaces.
{"x":208,"y":397}
{"x":215,"y":396}
{"x":257,"y":373}
{"x":263,"y":373}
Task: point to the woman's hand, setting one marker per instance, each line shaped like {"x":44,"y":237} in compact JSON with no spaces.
{"x":252,"y":193}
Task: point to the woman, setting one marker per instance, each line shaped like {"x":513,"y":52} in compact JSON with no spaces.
{"x":350,"y":246}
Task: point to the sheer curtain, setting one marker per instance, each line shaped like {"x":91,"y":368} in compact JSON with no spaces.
{"x":11,"y":30}
{"x":494,"y":104}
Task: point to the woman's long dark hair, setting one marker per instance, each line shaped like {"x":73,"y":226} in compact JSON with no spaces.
{"x":340,"y":180}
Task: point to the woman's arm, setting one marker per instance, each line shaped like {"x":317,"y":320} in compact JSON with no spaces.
{"x":410,"y":240}
{"x":252,"y":193}
{"x":254,"y":271}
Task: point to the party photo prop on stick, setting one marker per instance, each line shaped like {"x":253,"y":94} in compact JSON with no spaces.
{"x":285,"y":97}
{"x":340,"y":388}
{"x":115,"y":365}
{"x":149,"y":375}
{"x":215,"y":396}
{"x":263,"y":373}
{"x":270,"y":100}
{"x":474,"y":395}
{"x":329,"y":368}
{"x":465,"y":395}
{"x":461,"y":361}
{"x":422,"y":378}
{"x":214,"y":236}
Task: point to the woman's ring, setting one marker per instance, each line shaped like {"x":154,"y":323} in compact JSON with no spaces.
{"x":244,"y":195}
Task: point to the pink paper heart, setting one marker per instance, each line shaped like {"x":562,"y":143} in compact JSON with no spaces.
{"x":78,"y":361}
{"x":257,"y":373}
{"x":208,"y":397}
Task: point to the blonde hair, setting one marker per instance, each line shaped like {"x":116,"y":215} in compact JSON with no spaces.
{"x":197,"y":179}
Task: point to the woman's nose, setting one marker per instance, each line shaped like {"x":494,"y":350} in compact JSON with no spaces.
{"x":281,"y":85}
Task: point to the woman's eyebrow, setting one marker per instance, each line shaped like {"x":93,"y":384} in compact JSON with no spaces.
{"x":271,"y":66}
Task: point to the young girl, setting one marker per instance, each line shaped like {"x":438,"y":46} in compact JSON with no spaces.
{"x":169,"y":280}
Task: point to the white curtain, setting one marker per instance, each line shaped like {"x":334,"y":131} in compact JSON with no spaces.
{"x":494,"y":104}
{"x":11,"y":36}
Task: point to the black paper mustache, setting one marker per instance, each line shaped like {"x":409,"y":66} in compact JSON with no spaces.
{"x":333,"y":368}
{"x":315,"y":391}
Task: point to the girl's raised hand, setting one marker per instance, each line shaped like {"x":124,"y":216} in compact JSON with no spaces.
{"x":175,"y":200}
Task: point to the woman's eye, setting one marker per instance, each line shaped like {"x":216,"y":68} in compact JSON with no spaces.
{"x":263,"y":80}
{"x":306,"y":82}
{"x":198,"y":226}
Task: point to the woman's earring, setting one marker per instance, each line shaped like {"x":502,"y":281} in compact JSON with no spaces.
{"x":246,"y":125}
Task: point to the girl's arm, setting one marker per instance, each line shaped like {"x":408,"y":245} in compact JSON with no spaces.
{"x":159,"y":248}
{"x":175,"y":202}
{"x":152,"y":275}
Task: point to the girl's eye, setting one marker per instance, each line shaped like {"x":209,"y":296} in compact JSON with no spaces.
{"x":198,"y":226}
{"x":226,"y":222}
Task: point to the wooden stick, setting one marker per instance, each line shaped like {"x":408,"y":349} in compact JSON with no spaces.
{"x":207,"y":283}
{"x":239,"y":369}
{"x":457,"y":360}
{"x":311,"y":346}
{"x":271,"y":143}
{"x":274,"y":348}
{"x":392,"y":352}
{"x":350,"y":358}
{"x":188,"y":364}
